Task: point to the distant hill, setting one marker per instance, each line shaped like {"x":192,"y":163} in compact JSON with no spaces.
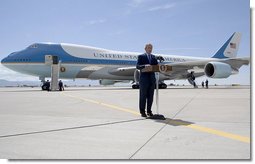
{"x":6,"y":83}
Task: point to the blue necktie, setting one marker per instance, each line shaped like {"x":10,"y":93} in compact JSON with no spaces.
{"x":149,"y":57}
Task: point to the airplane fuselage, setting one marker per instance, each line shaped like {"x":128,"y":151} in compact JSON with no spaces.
{"x":78,"y":61}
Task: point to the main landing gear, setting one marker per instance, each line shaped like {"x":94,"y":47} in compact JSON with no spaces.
{"x":161,"y":85}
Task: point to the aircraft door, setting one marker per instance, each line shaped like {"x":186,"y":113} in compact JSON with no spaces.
{"x":53,"y":61}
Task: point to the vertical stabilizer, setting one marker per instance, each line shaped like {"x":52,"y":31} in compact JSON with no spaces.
{"x":230,"y":48}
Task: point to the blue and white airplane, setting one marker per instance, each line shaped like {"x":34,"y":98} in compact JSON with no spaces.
{"x":108,"y":66}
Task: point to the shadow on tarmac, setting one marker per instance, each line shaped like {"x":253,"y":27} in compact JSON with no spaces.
{"x":175,"y":122}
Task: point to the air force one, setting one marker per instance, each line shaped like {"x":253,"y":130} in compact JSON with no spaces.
{"x":108,"y":66}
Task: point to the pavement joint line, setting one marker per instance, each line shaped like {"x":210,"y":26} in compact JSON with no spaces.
{"x":148,"y":140}
{"x":70,"y":128}
{"x":186,"y":104}
{"x":192,"y":126}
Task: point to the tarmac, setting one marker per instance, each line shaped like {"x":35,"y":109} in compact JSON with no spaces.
{"x":104,"y":123}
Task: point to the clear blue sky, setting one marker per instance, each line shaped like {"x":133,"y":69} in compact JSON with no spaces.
{"x":178,"y":27}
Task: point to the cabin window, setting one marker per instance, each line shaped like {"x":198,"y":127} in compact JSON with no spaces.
{"x":33,"y":46}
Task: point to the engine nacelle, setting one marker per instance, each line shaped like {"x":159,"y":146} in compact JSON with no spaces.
{"x":106,"y":82}
{"x":217,"y":70}
{"x":137,"y":76}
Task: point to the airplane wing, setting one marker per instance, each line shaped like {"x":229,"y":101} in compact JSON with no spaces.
{"x":123,"y":71}
{"x":235,"y":63}
{"x":181,"y":69}
{"x":238,"y":62}
{"x":198,"y":67}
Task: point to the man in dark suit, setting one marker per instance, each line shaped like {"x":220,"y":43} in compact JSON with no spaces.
{"x":147,"y":80}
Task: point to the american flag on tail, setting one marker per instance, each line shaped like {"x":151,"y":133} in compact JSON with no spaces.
{"x":233,"y":45}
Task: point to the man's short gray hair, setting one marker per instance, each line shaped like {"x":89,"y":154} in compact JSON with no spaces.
{"x":149,"y":44}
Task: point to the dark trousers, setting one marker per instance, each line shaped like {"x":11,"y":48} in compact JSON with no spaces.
{"x":146,"y":95}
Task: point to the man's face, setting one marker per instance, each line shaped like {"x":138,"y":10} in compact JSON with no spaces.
{"x":148,"y":49}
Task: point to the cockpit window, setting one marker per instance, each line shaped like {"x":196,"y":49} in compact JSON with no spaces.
{"x":33,"y":46}
{"x":12,"y":54}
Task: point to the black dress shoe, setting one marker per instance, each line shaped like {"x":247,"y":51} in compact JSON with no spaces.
{"x":143,"y":115}
{"x":149,"y":114}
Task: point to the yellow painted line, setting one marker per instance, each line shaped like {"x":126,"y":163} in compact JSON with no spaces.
{"x":220,"y":133}
{"x":192,"y":126}
{"x":104,"y":104}
{"x":213,"y":131}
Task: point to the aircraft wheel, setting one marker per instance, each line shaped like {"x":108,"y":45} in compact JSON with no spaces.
{"x":162,"y":86}
{"x":135,"y":86}
{"x":44,"y":88}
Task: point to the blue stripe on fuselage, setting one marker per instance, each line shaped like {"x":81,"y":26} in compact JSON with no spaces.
{"x":37,"y":55}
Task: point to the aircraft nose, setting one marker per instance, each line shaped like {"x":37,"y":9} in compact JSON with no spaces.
{"x":3,"y":60}
{"x":8,"y":58}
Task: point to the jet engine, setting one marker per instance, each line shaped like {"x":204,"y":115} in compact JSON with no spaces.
{"x":106,"y":82}
{"x":137,"y":76}
{"x":217,"y":70}
{"x":136,"y":79}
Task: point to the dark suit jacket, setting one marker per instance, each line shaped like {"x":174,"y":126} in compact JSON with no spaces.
{"x":141,"y":62}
